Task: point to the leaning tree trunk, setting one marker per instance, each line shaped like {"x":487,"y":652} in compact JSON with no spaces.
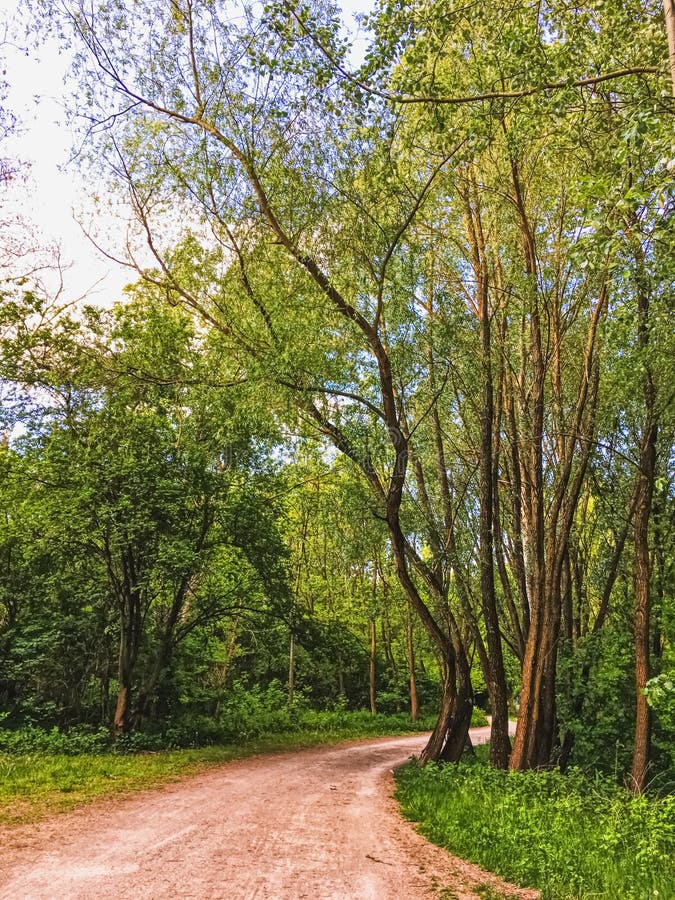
{"x":457,"y":738}
{"x":449,"y":727}
{"x":434,"y":746}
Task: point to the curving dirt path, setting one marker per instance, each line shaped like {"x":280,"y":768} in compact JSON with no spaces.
{"x":317,"y":824}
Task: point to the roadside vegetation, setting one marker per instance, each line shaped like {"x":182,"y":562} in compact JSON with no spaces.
{"x":44,"y":772}
{"x":574,"y":836}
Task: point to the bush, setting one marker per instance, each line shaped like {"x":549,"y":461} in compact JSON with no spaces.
{"x":478,"y":718}
{"x":76,"y":741}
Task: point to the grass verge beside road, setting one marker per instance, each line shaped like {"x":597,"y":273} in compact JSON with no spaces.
{"x":570,"y":836}
{"x":39,"y":783}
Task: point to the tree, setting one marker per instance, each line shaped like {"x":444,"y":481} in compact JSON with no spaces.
{"x":366,"y":250}
{"x":146,"y":475}
{"x":266,"y":184}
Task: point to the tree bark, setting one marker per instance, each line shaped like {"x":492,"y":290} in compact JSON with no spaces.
{"x":641,"y":575}
{"x":291,"y":669}
{"x":500,"y":744}
{"x":414,"y":702}
{"x":530,"y":749}
{"x":642,"y":563}
{"x":434,"y":746}
{"x":371,"y":665}
{"x":131,"y":628}
{"x":460,"y":720}
{"x":669,"y":13}
{"x":643,"y":510}
{"x":122,"y":721}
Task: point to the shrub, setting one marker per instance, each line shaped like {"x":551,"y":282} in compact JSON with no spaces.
{"x":478,"y":718}
{"x":76,"y":741}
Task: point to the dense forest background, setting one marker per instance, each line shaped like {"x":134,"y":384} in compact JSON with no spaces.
{"x":385,"y":417}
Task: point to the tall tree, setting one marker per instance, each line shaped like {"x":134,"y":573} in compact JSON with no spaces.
{"x":364,"y":239}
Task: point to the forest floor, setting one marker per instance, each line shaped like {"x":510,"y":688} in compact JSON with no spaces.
{"x":317,"y":823}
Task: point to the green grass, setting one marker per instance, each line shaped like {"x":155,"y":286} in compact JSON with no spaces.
{"x":569,"y":836}
{"x":37,"y":784}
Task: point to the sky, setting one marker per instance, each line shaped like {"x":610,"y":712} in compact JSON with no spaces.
{"x":54,"y":197}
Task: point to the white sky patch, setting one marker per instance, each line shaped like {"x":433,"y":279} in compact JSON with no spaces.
{"x":54,"y":199}
{"x":51,"y":196}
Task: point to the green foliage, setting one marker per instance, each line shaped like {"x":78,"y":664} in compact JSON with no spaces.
{"x":573,"y":837}
{"x":136,"y":513}
{"x":478,"y":718}
{"x":246,"y":715}
{"x":598,"y":710}
{"x":74,"y":742}
{"x":660,"y":693}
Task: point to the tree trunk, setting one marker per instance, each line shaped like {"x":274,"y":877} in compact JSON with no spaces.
{"x":371,"y":667}
{"x":529,"y":749}
{"x":669,"y":13}
{"x":533,"y":743}
{"x":291,"y":669}
{"x":130,"y":600}
{"x":436,"y":742}
{"x":122,"y":710}
{"x":460,"y":721}
{"x":122,"y":717}
{"x":641,"y":574}
{"x":341,"y":677}
{"x":414,"y":703}
{"x":500,"y":745}
{"x":643,"y":510}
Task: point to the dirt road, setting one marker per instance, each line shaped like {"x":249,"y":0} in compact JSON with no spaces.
{"x":317,"y":824}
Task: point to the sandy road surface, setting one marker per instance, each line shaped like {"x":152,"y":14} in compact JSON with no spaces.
{"x":317,"y":824}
